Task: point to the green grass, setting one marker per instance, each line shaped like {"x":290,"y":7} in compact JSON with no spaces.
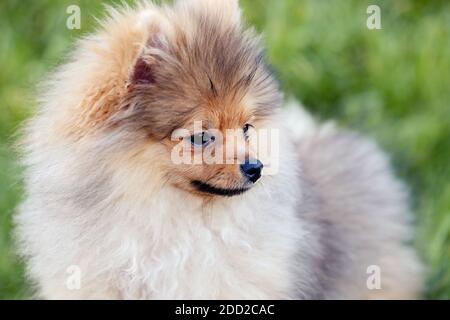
{"x":392,"y":84}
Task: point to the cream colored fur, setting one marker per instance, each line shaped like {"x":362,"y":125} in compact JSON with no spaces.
{"x":135,"y":237}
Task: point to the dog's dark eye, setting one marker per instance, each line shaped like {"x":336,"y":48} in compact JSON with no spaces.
{"x":246,"y":128}
{"x":201,"y":139}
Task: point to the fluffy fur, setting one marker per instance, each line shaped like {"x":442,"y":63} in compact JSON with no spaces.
{"x":102,"y":193}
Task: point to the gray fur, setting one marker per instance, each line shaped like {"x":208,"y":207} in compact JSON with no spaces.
{"x":357,"y":210}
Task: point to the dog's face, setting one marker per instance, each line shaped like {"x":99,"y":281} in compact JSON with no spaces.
{"x":211,"y":153}
{"x":199,"y":89}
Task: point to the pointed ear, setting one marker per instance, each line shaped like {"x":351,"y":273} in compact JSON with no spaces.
{"x":143,"y":70}
{"x":157,"y":32}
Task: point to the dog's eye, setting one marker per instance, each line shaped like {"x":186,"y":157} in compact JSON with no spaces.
{"x":201,"y":139}
{"x":246,"y":127}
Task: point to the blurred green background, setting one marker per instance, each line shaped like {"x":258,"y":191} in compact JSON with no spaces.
{"x":392,"y":84}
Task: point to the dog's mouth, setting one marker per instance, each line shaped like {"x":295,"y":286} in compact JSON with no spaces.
{"x":206,"y":188}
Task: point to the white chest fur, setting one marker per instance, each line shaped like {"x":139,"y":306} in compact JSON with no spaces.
{"x":240,"y":249}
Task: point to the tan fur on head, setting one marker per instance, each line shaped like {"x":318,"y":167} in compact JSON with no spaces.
{"x":157,"y":69}
{"x":104,"y":196}
{"x":207,"y":31}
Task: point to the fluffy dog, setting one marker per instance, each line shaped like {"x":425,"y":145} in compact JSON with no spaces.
{"x":105,"y":197}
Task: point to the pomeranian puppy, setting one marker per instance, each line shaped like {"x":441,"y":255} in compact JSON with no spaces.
{"x":109,"y":202}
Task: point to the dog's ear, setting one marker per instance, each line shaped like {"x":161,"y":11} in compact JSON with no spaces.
{"x":146,"y":62}
{"x":142,"y":72}
{"x":153,"y":49}
{"x":157,"y":31}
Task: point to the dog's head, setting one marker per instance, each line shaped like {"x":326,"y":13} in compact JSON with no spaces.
{"x":191,"y":87}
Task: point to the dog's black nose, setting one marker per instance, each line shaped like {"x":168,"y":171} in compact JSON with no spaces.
{"x":252,"y":170}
